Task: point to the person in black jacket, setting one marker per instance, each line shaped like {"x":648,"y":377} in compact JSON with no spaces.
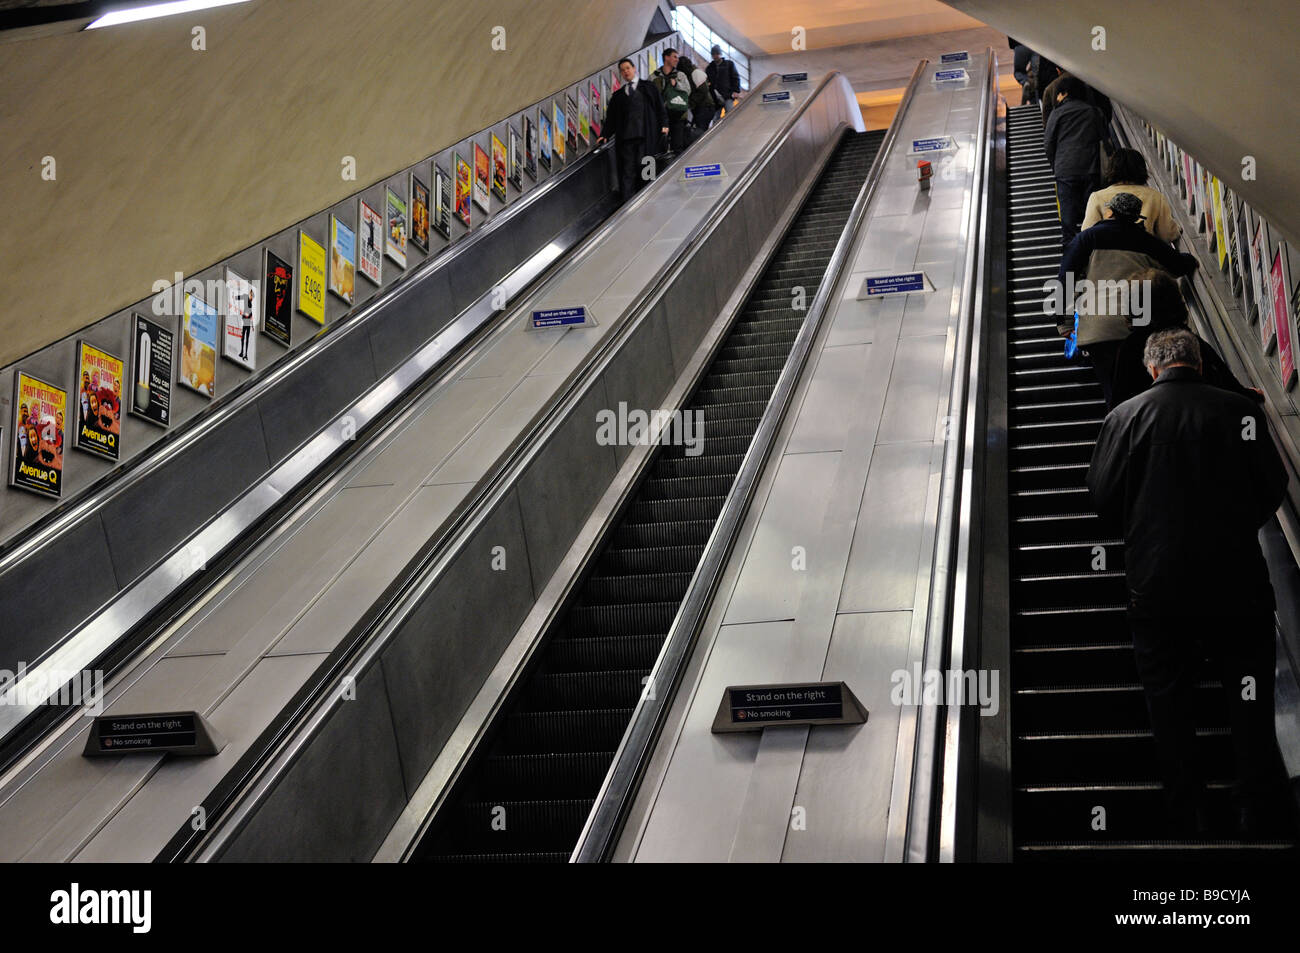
{"x":723,"y":77}
{"x":1073,"y":137}
{"x":1191,"y":474}
{"x":1166,"y":308}
{"x":637,"y":120}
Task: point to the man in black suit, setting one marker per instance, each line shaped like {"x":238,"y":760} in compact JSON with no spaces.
{"x":638,"y":121}
{"x":1190,"y":472}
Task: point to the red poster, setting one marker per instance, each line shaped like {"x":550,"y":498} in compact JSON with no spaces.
{"x":1285,"y":349}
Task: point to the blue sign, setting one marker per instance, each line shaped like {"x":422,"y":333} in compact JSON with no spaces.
{"x":776,"y":97}
{"x":712,"y":170}
{"x":962,"y":57}
{"x":937,"y":144}
{"x":794,"y":77}
{"x":559,"y":317}
{"x":895,"y":284}
{"x":950,"y":76}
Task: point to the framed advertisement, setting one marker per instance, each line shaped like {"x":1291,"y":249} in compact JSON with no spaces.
{"x":99,"y":405}
{"x":38,"y":410}
{"x":516,"y":163}
{"x":419,"y":214}
{"x":584,"y":118}
{"x":597,"y":116}
{"x":1220,"y":232}
{"x":152,"y":347}
{"x":311,"y":278}
{"x":277,"y":298}
{"x":343,"y":260}
{"x":561,"y":132}
{"x":482,"y":175}
{"x":1283,"y":319}
{"x":370,"y":256}
{"x":604,"y":99}
{"x":641,"y":71}
{"x":442,"y":201}
{"x":1258,"y":267}
{"x":544,"y":138}
{"x":199,"y":327}
{"x":571,"y":125}
{"x":499,"y":173}
{"x":398,"y":228}
{"x":530,"y":148}
{"x":239,"y":321}
{"x":464,"y":187}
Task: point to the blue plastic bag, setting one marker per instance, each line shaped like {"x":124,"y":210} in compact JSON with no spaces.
{"x":1072,"y":342}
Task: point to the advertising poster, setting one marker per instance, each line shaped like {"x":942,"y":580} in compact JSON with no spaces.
{"x":442,"y":200}
{"x":597,"y":115}
{"x":614,"y":83}
{"x":642,"y":72}
{"x":1258,"y":259}
{"x":544,"y":139}
{"x":277,"y":295}
{"x":151,"y":356}
{"x":398,"y":230}
{"x":516,"y":163}
{"x":1278,"y":286}
{"x":99,"y":404}
{"x":38,"y":436}
{"x":584,"y":118}
{"x":419,"y":214}
{"x":499,"y":173}
{"x":482,"y":174}
{"x":370,"y":223}
{"x":1189,"y":183}
{"x":530,"y":148}
{"x":343,"y":260}
{"x":1220,"y":235}
{"x":571,"y":125}
{"x":561,"y":132}
{"x":464,"y":186}
{"x":1242,"y":243}
{"x":199,"y":326}
{"x":311,"y":278}
{"x":240,"y":321}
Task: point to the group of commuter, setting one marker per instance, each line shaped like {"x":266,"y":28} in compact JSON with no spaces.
{"x":657,"y":119}
{"x":1184,"y":465}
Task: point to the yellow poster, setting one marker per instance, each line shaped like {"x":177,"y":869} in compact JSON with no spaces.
{"x":1216,"y":190}
{"x":311,"y":278}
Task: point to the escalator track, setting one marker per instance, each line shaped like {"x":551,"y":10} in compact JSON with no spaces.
{"x":1081,"y":738}
{"x":527,"y":794}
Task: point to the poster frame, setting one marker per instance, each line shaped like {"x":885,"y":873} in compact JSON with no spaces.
{"x":251,"y":364}
{"x":440,"y":220}
{"x":303,"y":275}
{"x":14,"y":460}
{"x":364,"y":207}
{"x":465,"y":216}
{"x":530,"y":147}
{"x":482,"y":187}
{"x":180,"y":378}
{"x":92,"y":449}
{"x":499,"y":151}
{"x":135,"y":411}
{"x":287,"y":340}
{"x":514,"y":159}
{"x":1282,"y":301}
{"x":545,"y":140}
{"x":413,"y":186}
{"x":396,"y":251}
{"x":337,"y":223}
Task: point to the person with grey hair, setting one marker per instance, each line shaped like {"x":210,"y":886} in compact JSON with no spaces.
{"x":1103,"y":256}
{"x":1190,"y":473}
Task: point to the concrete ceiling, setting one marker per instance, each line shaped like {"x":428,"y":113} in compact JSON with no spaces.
{"x":764,"y":26}
{"x":1214,"y":77}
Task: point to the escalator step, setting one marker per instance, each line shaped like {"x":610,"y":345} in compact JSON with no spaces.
{"x":577,"y":691}
{"x":604,"y":654}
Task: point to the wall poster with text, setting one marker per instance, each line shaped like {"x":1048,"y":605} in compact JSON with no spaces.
{"x":464,"y":188}
{"x":311,"y":278}
{"x":277,"y":299}
{"x":37,"y":435}
{"x":597,"y":115}
{"x":1279,"y":290}
{"x":544,"y":138}
{"x":584,"y":118}
{"x":419,"y":214}
{"x":398,"y":229}
{"x":571,"y":128}
{"x":200,"y":325}
{"x":561,"y":126}
{"x":343,"y":260}
{"x":370,"y":254}
{"x":1259,"y":271}
{"x":99,"y":404}
{"x":442,"y":201}
{"x":482,"y":176}
{"x":530,"y":148}
{"x":239,"y":321}
{"x":515,"y":161}
{"x":499,"y":173}
{"x":151,"y":358}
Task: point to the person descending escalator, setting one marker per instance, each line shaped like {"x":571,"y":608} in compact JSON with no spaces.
{"x":637,"y":121}
{"x":1190,"y":473}
{"x":675,"y":88}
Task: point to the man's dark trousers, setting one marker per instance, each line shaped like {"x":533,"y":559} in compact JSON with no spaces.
{"x":1169,"y":655}
{"x":629,"y":153}
{"x":1073,"y":194}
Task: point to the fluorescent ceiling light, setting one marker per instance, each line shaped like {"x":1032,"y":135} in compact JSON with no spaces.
{"x":153,"y":10}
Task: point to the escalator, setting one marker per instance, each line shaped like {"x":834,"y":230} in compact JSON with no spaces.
{"x":528,"y":791}
{"x":1080,"y":734}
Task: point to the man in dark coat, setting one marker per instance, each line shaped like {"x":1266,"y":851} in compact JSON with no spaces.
{"x":1072,"y":138}
{"x":723,"y":77}
{"x":638,"y":121}
{"x":1191,"y":474}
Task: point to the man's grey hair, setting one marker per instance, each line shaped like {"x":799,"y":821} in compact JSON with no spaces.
{"x":1172,"y":346}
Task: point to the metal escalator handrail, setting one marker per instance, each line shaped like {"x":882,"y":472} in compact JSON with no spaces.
{"x":605,"y":822}
{"x":932,"y":807}
{"x":267,"y":762}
